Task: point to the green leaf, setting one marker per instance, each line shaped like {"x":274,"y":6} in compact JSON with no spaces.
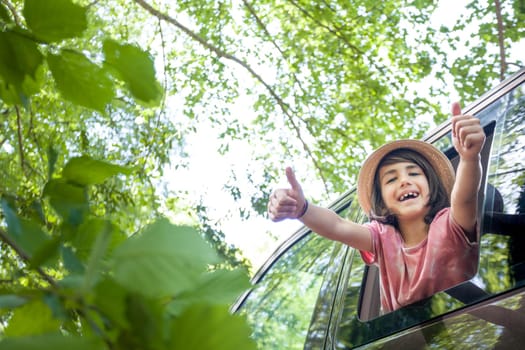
{"x":46,"y":252}
{"x":55,"y":20}
{"x":69,"y":200}
{"x":96,"y":258}
{"x":111,"y":298}
{"x":88,"y":171}
{"x":32,"y":318}
{"x":220,"y":287}
{"x":87,"y":234}
{"x":52,"y":341}
{"x":52,"y":156}
{"x":162,"y":261}
{"x":71,"y":262}
{"x":136,"y":68}
{"x":80,"y":80}
{"x":210,"y":327}
{"x":10,"y":301}
{"x":20,"y":62}
{"x":26,"y":234}
{"x":148,"y":324}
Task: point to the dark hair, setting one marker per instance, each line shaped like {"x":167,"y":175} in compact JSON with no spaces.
{"x":439,"y":198}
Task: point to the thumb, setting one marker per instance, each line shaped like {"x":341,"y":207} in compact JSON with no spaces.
{"x":290,"y":175}
{"x":456,"y":108}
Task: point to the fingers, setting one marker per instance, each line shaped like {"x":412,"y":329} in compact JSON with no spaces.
{"x":468,"y":135}
{"x":456,"y":111}
{"x":463,"y":126}
{"x":456,"y":108}
{"x":282,"y":205}
{"x":286,"y":203}
{"x":290,"y":175}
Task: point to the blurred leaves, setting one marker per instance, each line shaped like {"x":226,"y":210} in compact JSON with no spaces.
{"x":163,"y":260}
{"x":140,"y":291}
{"x":55,"y":20}
{"x":81,"y":81}
{"x":135,"y":67}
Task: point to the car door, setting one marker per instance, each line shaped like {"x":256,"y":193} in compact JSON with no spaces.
{"x":290,"y":304}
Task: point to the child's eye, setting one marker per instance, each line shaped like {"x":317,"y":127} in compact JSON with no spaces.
{"x":414,"y":174}
{"x":390,"y":180}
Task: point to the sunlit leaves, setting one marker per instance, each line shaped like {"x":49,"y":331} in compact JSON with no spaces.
{"x":87,"y":171}
{"x":69,"y":200}
{"x":55,"y":20}
{"x":135,"y":68}
{"x":52,"y":341}
{"x":219,"y":287}
{"x":68,"y":194}
{"x":80,"y":80}
{"x":200,"y":327}
{"x":20,"y":60}
{"x":25,"y":233}
{"x":163,"y":260}
{"x":70,"y":253}
{"x":133,"y":293}
{"x":87,"y":235}
{"x":42,"y":321}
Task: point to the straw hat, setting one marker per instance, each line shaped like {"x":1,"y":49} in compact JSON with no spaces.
{"x":365,"y":180}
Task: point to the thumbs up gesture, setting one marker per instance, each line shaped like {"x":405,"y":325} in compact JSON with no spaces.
{"x":468,"y":136}
{"x":287,"y":203}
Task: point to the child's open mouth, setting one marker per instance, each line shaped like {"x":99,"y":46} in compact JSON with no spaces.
{"x":408,"y":195}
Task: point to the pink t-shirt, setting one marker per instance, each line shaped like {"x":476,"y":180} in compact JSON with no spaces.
{"x":442,"y":260}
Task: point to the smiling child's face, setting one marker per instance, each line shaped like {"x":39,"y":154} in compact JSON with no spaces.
{"x":405,"y":190}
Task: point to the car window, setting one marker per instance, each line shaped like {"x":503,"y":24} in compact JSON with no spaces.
{"x":280,"y":306}
{"x":502,"y":243}
{"x":503,"y":263}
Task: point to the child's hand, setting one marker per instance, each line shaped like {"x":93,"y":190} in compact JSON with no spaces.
{"x":287,"y":203}
{"x":468,"y":136}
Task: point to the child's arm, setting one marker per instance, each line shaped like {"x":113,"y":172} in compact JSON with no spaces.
{"x":468,"y":139}
{"x":290,"y":203}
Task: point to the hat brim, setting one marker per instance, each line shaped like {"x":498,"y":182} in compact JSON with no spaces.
{"x":436,"y":158}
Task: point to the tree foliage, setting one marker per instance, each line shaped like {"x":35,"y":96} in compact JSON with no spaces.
{"x":99,"y":98}
{"x":77,"y":270}
{"x":328,"y":81}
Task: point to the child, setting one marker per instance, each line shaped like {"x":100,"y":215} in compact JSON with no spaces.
{"x":423,"y":229}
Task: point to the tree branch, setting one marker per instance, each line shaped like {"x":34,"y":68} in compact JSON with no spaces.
{"x":19,"y":135}
{"x":269,"y":36}
{"x":286,"y":109}
{"x":501,"y":40}
{"x":330,"y":30}
{"x":25,"y":257}
{"x":12,"y":8}
{"x":162,"y":108}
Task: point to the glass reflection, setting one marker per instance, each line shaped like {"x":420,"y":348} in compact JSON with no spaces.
{"x":280,"y":307}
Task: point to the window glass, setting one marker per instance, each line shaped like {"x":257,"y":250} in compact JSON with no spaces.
{"x":503,"y":244}
{"x":280,"y":307}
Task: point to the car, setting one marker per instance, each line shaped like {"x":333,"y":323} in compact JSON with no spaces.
{"x":314,"y":293}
